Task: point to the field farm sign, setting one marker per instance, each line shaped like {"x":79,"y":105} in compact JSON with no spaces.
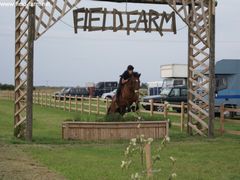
{"x":100,"y":19}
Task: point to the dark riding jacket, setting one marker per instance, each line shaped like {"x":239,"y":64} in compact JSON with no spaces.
{"x":125,"y":76}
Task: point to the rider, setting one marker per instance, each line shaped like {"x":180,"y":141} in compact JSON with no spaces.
{"x":124,"y":79}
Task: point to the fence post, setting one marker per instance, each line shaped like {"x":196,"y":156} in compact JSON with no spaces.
{"x":38,"y":98}
{"x":69,"y":103}
{"x":182,"y":116}
{"x":48,"y":100}
{"x":151,"y":107}
{"x":55,"y":101}
{"x":106,"y":105}
{"x":9,"y":96}
{"x":41,"y":99}
{"x":45,"y":99}
{"x":64,"y":102}
{"x":222,"y":118}
{"x":76,"y":104}
{"x":89,"y":103}
{"x":98,"y":105}
{"x":148,"y":160}
{"x":59,"y":101}
{"x":165,"y":110}
{"x":51,"y":101}
{"x":82,"y":104}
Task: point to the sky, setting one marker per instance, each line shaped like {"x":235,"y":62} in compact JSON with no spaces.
{"x":63,"y":58}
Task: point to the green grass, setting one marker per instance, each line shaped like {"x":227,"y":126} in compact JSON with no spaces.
{"x":197,"y":158}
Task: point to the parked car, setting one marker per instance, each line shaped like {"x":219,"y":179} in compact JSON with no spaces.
{"x":173,"y":95}
{"x":71,"y":91}
{"x":105,"y":87}
{"x":109,"y":95}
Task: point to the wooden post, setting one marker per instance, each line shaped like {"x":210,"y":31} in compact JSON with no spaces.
{"x":33,"y":97}
{"x":148,"y":160}
{"x":59,"y":101}
{"x":9,"y":96}
{"x":82,"y":104}
{"x":222,"y":118}
{"x":98,"y":105}
{"x":70,"y":103}
{"x":76,"y":104}
{"x":41,"y":99}
{"x":38,"y":98}
{"x":151,"y":107}
{"x":29,"y":99}
{"x":211,"y":69}
{"x":45,"y":99}
{"x":64,"y":102}
{"x":165,"y":110}
{"x":55,"y":101}
{"x":190,"y":74}
{"x":50,"y":97}
{"x":48,"y":100}
{"x":182,"y":116}
{"x":89,"y":103}
{"x":106,"y":105}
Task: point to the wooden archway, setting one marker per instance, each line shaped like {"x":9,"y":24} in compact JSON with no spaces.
{"x":33,"y":21}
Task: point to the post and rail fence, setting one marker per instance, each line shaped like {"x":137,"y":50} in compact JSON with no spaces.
{"x":98,"y":105}
{"x":224,"y":121}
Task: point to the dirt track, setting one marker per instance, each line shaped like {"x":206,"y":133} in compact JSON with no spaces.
{"x":16,"y":165}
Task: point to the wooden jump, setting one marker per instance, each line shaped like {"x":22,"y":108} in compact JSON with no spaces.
{"x":94,"y":131}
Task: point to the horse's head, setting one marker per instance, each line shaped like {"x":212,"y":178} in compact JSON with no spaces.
{"x":135,"y":81}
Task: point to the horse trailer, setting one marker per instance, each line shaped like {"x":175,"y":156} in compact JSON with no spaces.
{"x":227,"y":73}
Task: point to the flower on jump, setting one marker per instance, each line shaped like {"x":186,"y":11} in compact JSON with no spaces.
{"x":150,"y":140}
{"x":139,"y":126}
{"x":172,"y":159}
{"x":135,"y":176}
{"x":123,"y":164}
{"x":133,"y":141}
{"x":167,"y":138}
{"x":127,"y":151}
{"x":174,"y":175}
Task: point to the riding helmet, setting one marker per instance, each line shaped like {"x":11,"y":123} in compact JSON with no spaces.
{"x":130,"y":68}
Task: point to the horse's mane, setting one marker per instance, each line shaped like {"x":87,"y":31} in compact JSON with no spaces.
{"x":136,"y":74}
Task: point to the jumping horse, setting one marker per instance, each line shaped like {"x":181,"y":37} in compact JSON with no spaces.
{"x":129,"y":95}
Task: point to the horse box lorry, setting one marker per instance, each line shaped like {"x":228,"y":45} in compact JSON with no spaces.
{"x":174,"y":75}
{"x":227,"y":74}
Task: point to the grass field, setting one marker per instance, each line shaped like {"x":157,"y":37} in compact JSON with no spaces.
{"x":197,"y":158}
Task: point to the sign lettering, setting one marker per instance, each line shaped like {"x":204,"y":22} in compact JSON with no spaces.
{"x":100,"y":19}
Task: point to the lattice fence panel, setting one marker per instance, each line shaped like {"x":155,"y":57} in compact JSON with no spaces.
{"x":21,"y":60}
{"x":48,"y":12}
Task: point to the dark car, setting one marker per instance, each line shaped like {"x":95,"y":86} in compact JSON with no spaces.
{"x":72,"y":91}
{"x":105,"y":87}
{"x":172,"y":95}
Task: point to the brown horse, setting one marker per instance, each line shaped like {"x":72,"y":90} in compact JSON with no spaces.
{"x":129,"y":95}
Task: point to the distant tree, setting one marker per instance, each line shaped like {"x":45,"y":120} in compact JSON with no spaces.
{"x":144,"y":86}
{"x":6,"y":87}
